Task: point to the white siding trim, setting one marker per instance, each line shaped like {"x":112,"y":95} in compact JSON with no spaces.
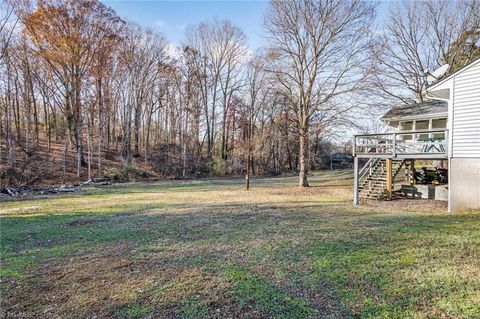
{"x":450,"y":140}
{"x":466,"y":113}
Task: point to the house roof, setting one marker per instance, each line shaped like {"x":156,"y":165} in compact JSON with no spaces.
{"x":443,"y":80}
{"x":341,"y":157}
{"x":416,"y":110}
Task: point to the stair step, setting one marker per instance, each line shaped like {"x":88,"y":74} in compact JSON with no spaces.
{"x":371,"y":197}
{"x":375,"y":181}
{"x":375,"y":187}
{"x":375,"y":192}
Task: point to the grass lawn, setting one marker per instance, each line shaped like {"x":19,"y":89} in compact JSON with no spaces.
{"x":209,"y":249}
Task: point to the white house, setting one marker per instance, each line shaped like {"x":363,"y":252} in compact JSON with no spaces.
{"x":444,"y":130}
{"x":461,"y":90}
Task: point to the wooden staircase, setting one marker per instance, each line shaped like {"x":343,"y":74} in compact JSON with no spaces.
{"x":372,"y":182}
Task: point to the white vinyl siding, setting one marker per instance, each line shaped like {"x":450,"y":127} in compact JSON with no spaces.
{"x":466,"y":113}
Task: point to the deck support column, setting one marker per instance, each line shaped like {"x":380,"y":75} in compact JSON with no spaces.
{"x":355,"y":181}
{"x":389,"y":177}
{"x":407,"y":172}
{"x":412,"y":172}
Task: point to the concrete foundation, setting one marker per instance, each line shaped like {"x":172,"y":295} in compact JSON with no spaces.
{"x":437,"y":192}
{"x":464,"y":182}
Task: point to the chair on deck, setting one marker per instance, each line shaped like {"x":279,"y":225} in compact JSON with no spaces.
{"x":432,"y":144}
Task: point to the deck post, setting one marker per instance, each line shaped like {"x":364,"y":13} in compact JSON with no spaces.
{"x":412,"y":172}
{"x":389,"y":177}
{"x":354,"y":148}
{"x":355,"y":181}
{"x":394,"y":149}
{"x":407,"y":169}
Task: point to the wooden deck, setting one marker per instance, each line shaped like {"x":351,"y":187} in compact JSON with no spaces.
{"x":422,"y":144}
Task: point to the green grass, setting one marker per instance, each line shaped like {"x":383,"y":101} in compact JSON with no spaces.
{"x":209,"y":249}
{"x":249,"y":289}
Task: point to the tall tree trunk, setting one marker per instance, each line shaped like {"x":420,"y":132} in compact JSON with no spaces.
{"x":147,"y":134}
{"x":223,"y":138}
{"x":196,"y":133}
{"x":78,"y":148}
{"x":34,"y":101}
{"x":249,"y":152}
{"x":11,"y":153}
{"x":65,"y":150}
{"x":211,"y":138}
{"x":47,"y":120}
{"x":100,"y":126}
{"x":184,"y":151}
{"x":9,"y":107}
{"x":16,"y":114}
{"x":127,"y":137}
{"x":223,"y":144}
{"x":77,"y":122}
{"x":137,"y":117}
{"x":303,"y":182}
{"x":89,"y":151}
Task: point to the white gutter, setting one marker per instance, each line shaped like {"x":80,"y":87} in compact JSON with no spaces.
{"x":420,"y":117}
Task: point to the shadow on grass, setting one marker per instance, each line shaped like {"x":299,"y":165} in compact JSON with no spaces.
{"x":262,"y":260}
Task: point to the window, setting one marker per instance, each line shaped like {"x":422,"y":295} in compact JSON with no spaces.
{"x":439,"y":123}
{"x":422,"y":125}
{"x":406,"y":126}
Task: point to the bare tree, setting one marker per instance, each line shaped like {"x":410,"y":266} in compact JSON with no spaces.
{"x":317,"y":50}
{"x":230,"y":53}
{"x":453,"y":31}
{"x":257,"y":92}
{"x":66,"y":34}
{"x":221,"y":51}
{"x":8,"y":23}
{"x":419,"y":36}
{"x":79,"y":83}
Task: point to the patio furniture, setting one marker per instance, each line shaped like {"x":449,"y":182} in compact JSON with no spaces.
{"x":432,"y":144}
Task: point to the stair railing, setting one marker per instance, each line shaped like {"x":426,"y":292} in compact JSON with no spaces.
{"x":367,"y":169}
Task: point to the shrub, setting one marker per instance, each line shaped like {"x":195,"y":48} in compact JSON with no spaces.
{"x":125,"y":174}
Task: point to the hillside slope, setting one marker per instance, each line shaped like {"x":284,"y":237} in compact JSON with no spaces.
{"x":43,"y":166}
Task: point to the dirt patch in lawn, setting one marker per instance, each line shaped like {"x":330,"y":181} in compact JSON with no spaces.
{"x":118,"y":283}
{"x":115,"y":287}
{"x":306,"y":191}
{"x":81,"y":287}
{"x":123,"y":282}
{"x":406,"y":205}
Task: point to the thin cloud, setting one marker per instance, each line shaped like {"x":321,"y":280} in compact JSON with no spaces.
{"x":161,"y":23}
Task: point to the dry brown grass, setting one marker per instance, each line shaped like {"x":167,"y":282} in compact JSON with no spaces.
{"x":209,"y":249}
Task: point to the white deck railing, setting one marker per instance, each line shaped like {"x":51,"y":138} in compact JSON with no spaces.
{"x":408,"y":144}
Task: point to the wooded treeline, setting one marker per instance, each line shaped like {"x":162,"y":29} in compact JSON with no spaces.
{"x":79,"y":82}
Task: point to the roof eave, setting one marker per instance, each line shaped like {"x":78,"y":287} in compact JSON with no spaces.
{"x":412,"y":117}
{"x":440,"y":85}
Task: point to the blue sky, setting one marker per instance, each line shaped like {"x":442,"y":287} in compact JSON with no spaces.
{"x":171,"y":17}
